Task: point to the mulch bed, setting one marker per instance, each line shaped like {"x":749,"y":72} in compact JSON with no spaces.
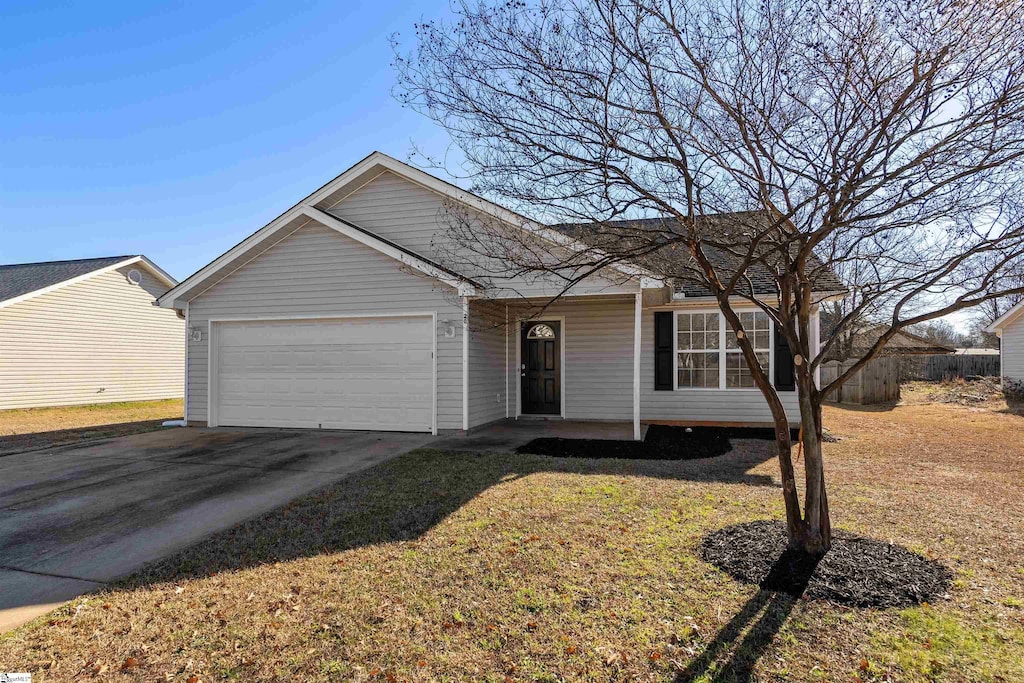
{"x":858,"y":572}
{"x":660,"y":443}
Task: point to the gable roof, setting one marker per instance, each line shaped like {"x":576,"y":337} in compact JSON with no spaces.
{"x":354,"y":177}
{"x":671,"y":261}
{"x":21,"y":281}
{"x":573,"y":237}
{"x":1006,"y":318}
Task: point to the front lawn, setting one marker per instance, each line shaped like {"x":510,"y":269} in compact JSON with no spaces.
{"x":455,"y":566}
{"x":32,"y":428}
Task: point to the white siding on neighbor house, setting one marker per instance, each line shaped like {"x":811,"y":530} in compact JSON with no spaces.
{"x":1012,"y":349}
{"x":413,"y":217}
{"x":701,"y":405}
{"x":597,"y":335}
{"x":315,"y":271}
{"x":486,"y":359}
{"x":98,"y":340}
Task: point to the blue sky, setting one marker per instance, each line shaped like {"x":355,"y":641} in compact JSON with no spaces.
{"x":177,"y":129}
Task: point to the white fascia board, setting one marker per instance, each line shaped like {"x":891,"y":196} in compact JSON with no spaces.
{"x":92,"y":273}
{"x":324,"y":218}
{"x":161,"y":274}
{"x":1005,"y":319}
{"x":169,"y":297}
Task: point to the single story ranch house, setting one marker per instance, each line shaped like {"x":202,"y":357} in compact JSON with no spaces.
{"x":339,"y":315}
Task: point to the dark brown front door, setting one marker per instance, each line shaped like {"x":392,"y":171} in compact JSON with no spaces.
{"x":541,"y":368}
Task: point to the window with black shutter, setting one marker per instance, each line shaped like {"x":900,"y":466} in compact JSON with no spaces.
{"x":785,"y":377}
{"x":664,"y":347}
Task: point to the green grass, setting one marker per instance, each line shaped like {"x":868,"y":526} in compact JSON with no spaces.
{"x":443,"y":566}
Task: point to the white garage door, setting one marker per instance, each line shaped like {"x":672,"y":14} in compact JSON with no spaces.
{"x":365,"y":373}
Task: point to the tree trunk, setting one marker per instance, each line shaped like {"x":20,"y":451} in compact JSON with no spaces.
{"x":814,"y":533}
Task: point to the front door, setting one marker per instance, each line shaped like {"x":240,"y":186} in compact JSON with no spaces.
{"x":541,"y":370}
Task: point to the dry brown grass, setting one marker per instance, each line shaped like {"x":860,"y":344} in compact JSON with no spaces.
{"x":984,"y":393}
{"x":32,"y":428}
{"x":446,"y":566}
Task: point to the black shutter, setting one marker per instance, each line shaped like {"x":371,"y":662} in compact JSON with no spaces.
{"x":663,"y":350}
{"x":785,"y":378}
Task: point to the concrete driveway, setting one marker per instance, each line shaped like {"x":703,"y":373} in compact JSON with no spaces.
{"x":73,"y":518}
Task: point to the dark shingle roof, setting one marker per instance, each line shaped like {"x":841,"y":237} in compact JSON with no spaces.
{"x":23,"y":278}
{"x":674,"y":261}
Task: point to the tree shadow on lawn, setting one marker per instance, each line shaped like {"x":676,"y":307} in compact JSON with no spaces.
{"x":403,"y":498}
{"x":763,"y":616}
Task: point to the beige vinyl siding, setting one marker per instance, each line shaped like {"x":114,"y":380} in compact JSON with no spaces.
{"x":486,"y":359}
{"x":1012,"y":349}
{"x":98,"y":340}
{"x":598,"y":338}
{"x":413,"y":217}
{"x":315,"y":271}
{"x":701,"y":405}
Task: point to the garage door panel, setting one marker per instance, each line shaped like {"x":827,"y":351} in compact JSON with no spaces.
{"x":373,"y":373}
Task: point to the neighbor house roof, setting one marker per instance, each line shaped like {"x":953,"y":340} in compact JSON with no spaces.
{"x":676,"y":260}
{"x":902,"y":343}
{"x":21,"y":281}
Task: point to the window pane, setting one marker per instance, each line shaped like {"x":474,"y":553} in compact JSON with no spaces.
{"x":737,"y":374}
{"x":697,"y":331}
{"x":712,"y":337}
{"x":698,"y":369}
{"x":757,"y":327}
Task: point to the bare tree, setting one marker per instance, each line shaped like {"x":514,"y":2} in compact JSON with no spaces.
{"x":881,"y":137}
{"x":941,"y":332}
{"x":1012,"y":278}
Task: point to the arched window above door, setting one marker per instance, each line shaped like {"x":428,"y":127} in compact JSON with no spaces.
{"x":541,"y":331}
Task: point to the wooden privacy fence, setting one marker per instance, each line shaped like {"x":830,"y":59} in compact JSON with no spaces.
{"x":876,"y":382}
{"x":936,"y":368}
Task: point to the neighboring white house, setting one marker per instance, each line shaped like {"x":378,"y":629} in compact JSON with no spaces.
{"x":338,"y":315}
{"x":88,"y":331}
{"x":1010,"y":330}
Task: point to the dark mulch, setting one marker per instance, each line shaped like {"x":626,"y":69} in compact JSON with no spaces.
{"x":860,"y":572}
{"x":660,"y":443}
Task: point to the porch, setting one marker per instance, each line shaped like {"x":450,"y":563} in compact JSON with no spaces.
{"x":577,"y":359}
{"x":508,"y":434}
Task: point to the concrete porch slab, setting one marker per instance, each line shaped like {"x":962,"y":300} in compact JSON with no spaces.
{"x":507,"y":435}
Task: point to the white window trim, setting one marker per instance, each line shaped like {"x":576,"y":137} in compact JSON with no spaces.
{"x":722,"y":351}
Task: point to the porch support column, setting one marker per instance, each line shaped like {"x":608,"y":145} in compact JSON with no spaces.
{"x":465,"y":364}
{"x":637,"y":316}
